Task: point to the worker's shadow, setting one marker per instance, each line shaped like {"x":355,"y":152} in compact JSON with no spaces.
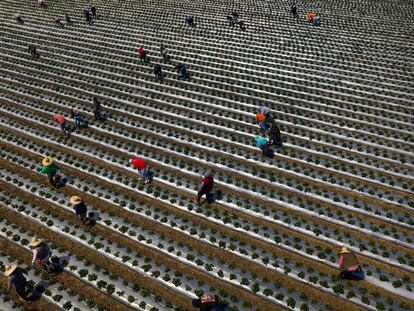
{"x":215,"y":196}
{"x":35,"y":290}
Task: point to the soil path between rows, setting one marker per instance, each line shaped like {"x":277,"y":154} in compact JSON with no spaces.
{"x":197,"y":244}
{"x":238,"y":213}
{"x":228,"y":232}
{"x":65,"y":278}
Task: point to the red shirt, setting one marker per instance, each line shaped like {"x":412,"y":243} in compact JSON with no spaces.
{"x":141,"y":51}
{"x":139,"y":164}
{"x":59,"y":118}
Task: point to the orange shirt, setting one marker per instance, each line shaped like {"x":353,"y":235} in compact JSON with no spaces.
{"x":260,"y":117}
{"x":310,"y":16}
{"x":59,"y":118}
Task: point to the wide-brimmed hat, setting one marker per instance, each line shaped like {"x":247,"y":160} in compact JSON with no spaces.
{"x":35,"y":242}
{"x":344,"y":250}
{"x":47,"y":161}
{"x":75,"y":200}
{"x":9,"y":269}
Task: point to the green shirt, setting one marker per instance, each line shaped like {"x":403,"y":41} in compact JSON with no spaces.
{"x":51,"y":169}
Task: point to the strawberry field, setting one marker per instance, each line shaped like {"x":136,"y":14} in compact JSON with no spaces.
{"x":341,"y":93}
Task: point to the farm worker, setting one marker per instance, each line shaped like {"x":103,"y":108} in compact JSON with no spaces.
{"x":87,"y":15}
{"x":61,"y":121}
{"x":264,"y":123}
{"x":266,"y":111}
{"x":57,"y":20}
{"x":41,"y":252}
{"x":242,"y":25}
{"x":93,"y":11}
{"x":209,"y":302}
{"x":263,"y":144}
{"x":182,"y":70}
{"x":33,"y":50}
{"x":207,"y":184}
{"x":189,"y":21}
{"x":97,"y":109}
{"x":260,"y":117}
{"x":158,"y":71}
{"x":18,"y":18}
{"x":41,"y":2}
{"x":76,"y":116}
{"x":294,"y":10}
{"x":16,"y":276}
{"x":275,"y":137}
{"x":310,"y":17}
{"x":142,"y":166}
{"x":164,"y":53}
{"x":316,"y":21}
{"x":68,"y":20}
{"x":80,"y":208}
{"x":142,"y":55}
{"x":349,"y":266}
{"x":50,"y":169}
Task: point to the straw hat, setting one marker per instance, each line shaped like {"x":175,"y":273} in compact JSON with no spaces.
{"x":75,"y":200}
{"x":47,"y":161}
{"x":344,"y":250}
{"x":35,"y":242}
{"x":8,"y":269}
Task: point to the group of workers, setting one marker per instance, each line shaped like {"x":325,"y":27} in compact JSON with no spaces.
{"x":234,"y":19}
{"x":349,"y":268}
{"x":182,"y":69}
{"x":76,"y":115}
{"x":268,"y":127}
{"x":311,"y":17}
{"x":270,"y":135}
{"x":42,"y":259}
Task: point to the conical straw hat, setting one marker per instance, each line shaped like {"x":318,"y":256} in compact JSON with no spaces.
{"x":35,"y":242}
{"x":47,"y":161}
{"x":8,"y":269}
{"x":75,"y":200}
{"x":344,"y":250}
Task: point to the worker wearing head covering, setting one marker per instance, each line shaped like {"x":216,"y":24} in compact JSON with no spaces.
{"x":349,"y":266}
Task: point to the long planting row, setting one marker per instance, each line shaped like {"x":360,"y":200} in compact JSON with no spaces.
{"x":354,"y":142}
{"x":343,"y":177}
{"x":228,"y":178}
{"x":57,"y":296}
{"x":90,"y":273}
{"x":384,"y":165}
{"x":145,"y":265}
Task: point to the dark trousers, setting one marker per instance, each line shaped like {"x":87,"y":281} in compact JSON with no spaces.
{"x":98,"y":115}
{"x":52,"y":179}
{"x":64,"y":129}
{"x":21,"y":291}
{"x":202,"y":192}
{"x":265,"y":149}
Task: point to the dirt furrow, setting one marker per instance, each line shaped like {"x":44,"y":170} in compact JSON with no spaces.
{"x":141,"y":98}
{"x":236,"y":212}
{"x":197,"y":244}
{"x":65,"y":278}
{"x":273,"y":248}
{"x":114,"y":267}
{"x":260,"y":183}
{"x":157,"y":256}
